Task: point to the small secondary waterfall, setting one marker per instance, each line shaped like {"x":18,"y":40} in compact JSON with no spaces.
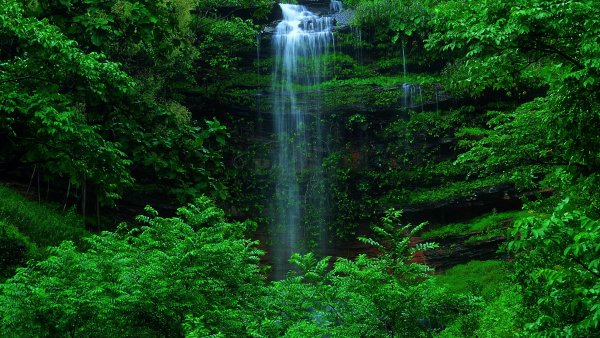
{"x":413,"y":93}
{"x":300,"y":43}
{"x":335,"y":6}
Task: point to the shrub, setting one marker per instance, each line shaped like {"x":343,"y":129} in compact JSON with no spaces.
{"x":193,"y":273}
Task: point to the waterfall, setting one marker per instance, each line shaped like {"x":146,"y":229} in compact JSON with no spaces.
{"x":335,"y":6}
{"x":421,"y":102}
{"x":258,"y":97}
{"x":406,"y":87}
{"x":413,"y":93}
{"x":403,"y":63}
{"x":357,"y":43}
{"x":300,"y":42}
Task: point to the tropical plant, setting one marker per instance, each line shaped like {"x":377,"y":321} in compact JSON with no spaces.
{"x":375,"y":297}
{"x":166,"y":277}
{"x":558,"y":267}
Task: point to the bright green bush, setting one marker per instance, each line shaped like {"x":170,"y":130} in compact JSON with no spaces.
{"x":194,"y":272}
{"x":495,"y":305}
{"x":502,"y":317}
{"x":366,"y":297}
{"x":557,"y":261}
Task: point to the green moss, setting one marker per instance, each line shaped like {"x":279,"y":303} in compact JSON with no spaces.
{"x":480,"y":278}
{"x":490,"y":234}
{"x":452,"y":191}
{"x":490,"y":224}
{"x":249,"y":79}
{"x":388,"y":63}
{"x":42,"y":223}
{"x":358,"y":96}
{"x":384,"y":81}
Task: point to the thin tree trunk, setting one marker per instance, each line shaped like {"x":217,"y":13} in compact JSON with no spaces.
{"x":97,"y":210}
{"x":31,"y":179}
{"x":67,"y":198}
{"x":38,"y":189}
{"x":83,"y":192}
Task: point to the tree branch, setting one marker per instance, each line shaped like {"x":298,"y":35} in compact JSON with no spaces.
{"x":578,"y":261}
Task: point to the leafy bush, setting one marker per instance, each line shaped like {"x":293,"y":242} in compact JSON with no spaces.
{"x":480,"y":278}
{"x":495,"y":306}
{"x":502,"y":317}
{"x":194,"y":272}
{"x":558,"y":261}
{"x":365,"y":297}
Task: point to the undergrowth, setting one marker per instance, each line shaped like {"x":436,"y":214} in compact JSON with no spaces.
{"x":42,"y":223}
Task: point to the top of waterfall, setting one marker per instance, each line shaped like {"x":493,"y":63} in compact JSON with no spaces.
{"x":295,"y":12}
{"x":297,"y":19}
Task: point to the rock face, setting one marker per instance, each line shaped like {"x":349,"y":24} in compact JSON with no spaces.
{"x":344,"y":17}
{"x":484,"y":200}
{"x":276,"y":14}
{"x":455,"y":250}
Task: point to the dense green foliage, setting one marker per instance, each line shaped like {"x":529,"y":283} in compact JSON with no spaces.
{"x":27,"y":228}
{"x":52,"y":123}
{"x":435,"y":104}
{"x":15,"y":248}
{"x":93,"y":94}
{"x":372,"y":297}
{"x":497,"y":302}
{"x":547,"y":142}
{"x":558,"y":261}
{"x":195,"y":273}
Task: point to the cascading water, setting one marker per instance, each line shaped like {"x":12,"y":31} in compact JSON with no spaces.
{"x":336,"y":6}
{"x":300,"y":43}
{"x":413,"y":94}
{"x":406,"y":87}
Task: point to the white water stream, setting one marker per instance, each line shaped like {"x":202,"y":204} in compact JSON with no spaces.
{"x":301,"y":42}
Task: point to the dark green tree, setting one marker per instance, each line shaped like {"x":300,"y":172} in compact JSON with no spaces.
{"x":93,"y":93}
{"x":550,"y":142}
